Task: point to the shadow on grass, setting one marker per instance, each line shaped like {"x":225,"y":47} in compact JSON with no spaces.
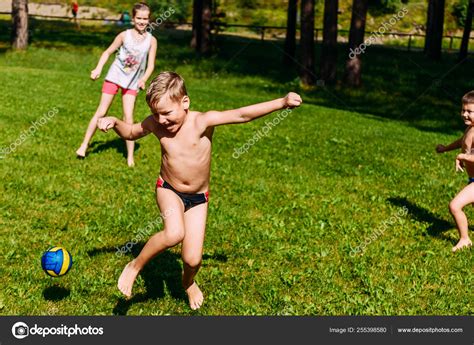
{"x":164,"y":270}
{"x":117,"y":144}
{"x":54,"y":33}
{"x":55,"y":293}
{"x":437,"y":226}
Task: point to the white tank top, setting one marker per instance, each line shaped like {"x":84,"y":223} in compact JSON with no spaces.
{"x":130,"y":62}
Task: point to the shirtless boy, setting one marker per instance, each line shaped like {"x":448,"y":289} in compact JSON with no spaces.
{"x":463,"y":160}
{"x":182,"y":188}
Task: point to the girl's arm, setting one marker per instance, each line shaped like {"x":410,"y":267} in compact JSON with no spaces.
{"x":118,"y":41}
{"x":150,"y":64}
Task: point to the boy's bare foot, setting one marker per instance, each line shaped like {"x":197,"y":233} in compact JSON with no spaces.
{"x":195,"y":296}
{"x":81,"y":152}
{"x":127,"y":278}
{"x":130,"y":162}
{"x":463,"y":243}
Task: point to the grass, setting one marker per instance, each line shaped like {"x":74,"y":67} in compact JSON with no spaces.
{"x":284,"y":217}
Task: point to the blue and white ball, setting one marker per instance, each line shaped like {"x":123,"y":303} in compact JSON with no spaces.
{"x":56,"y":261}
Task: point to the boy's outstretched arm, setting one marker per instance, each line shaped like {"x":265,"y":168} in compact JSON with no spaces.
{"x":125,"y":130}
{"x":251,"y":112}
{"x":453,"y":146}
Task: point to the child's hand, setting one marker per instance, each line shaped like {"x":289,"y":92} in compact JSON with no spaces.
{"x":106,"y":123}
{"x":440,"y":148}
{"x":292,"y":100}
{"x":460,"y":162}
{"x":141,"y":84}
{"x":95,"y":73}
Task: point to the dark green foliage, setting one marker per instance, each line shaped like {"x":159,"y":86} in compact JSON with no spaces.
{"x":182,"y":8}
{"x":459,"y":11}
{"x":248,"y":4}
{"x":385,"y":6}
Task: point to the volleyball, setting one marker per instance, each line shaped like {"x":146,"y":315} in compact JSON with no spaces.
{"x":56,"y":261}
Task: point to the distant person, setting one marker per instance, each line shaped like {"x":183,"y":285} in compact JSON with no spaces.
{"x":125,"y":18}
{"x":129,"y":72}
{"x":464,"y":160}
{"x":74,"y":10}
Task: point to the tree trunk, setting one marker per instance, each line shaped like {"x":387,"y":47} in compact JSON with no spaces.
{"x":206,"y":27}
{"x":353,"y":72}
{"x":329,"y":48}
{"x":467,"y":32}
{"x":434,"y":29}
{"x":290,"y":39}
{"x":202,"y":15}
{"x":20,"y":24}
{"x":307,"y":43}
{"x":197,"y":24}
{"x":429,"y":26}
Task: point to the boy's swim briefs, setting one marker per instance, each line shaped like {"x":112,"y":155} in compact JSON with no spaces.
{"x":189,"y":200}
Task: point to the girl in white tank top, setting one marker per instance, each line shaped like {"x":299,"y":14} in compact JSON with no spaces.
{"x":130,"y":63}
{"x":133,"y":65}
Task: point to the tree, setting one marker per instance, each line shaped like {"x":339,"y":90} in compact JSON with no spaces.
{"x":434,"y":29}
{"x":329,"y":48}
{"x":202,"y":16}
{"x":20,"y":24}
{"x":307,"y":43}
{"x":467,"y":31}
{"x":353,"y":71}
{"x":197,"y":23}
{"x":290,"y":39}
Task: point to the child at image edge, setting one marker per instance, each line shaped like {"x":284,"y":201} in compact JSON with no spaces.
{"x":182,"y":188}
{"x":137,"y":50}
{"x":463,"y":160}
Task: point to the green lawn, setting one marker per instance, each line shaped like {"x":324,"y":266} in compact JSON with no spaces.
{"x":284,"y":218}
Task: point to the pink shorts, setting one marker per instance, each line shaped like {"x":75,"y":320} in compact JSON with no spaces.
{"x":112,"y":89}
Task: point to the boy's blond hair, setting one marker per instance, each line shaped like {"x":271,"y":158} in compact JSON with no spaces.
{"x":165,"y":83}
{"x":468,"y":98}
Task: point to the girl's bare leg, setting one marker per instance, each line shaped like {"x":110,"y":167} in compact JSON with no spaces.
{"x":128,"y":103}
{"x":104,"y":105}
